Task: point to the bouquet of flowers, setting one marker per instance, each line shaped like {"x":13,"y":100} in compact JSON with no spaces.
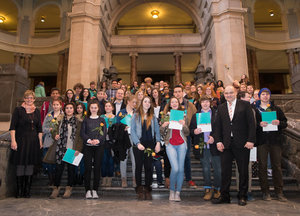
{"x":149,"y":152}
{"x":110,"y":120}
{"x":54,"y":124}
{"x":164,"y":117}
{"x":100,"y":129}
{"x":200,"y":145}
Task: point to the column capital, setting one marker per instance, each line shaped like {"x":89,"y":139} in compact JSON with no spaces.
{"x":177,"y":54}
{"x":133,"y":54}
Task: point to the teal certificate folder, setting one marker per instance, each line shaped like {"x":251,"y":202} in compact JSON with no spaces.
{"x":269,"y":117}
{"x":70,"y":157}
{"x":204,"y":121}
{"x":175,"y":117}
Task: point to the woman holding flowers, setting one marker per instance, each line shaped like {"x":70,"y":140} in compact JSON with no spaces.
{"x":50,"y":130}
{"x":176,"y":147}
{"x":129,"y":110}
{"x":93,"y":132}
{"x":107,"y":168}
{"x":67,"y":138}
{"x":146,"y":139}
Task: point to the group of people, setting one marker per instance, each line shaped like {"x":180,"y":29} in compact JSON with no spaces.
{"x":109,"y":125}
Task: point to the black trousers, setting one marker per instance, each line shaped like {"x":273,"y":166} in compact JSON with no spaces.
{"x":92,"y":156}
{"x":241,"y":155}
{"x":275,"y":154}
{"x":142,"y":159}
{"x":167,"y":166}
{"x":59,"y":171}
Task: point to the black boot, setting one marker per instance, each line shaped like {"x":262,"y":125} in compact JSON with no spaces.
{"x":27,"y":186}
{"x":20,"y":186}
{"x":147,"y":192}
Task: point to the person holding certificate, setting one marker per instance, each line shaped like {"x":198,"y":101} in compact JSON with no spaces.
{"x":176,"y":147}
{"x":202,"y":132}
{"x":270,"y":123}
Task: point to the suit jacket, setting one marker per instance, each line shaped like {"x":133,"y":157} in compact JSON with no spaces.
{"x":123,"y":106}
{"x":242,"y":126}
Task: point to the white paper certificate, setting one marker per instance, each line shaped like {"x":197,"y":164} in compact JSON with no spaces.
{"x":77,"y":159}
{"x":253,"y":154}
{"x":270,"y":127}
{"x":205,"y":127}
{"x":175,"y":125}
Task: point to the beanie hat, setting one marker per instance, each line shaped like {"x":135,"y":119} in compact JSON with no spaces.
{"x":263,"y":90}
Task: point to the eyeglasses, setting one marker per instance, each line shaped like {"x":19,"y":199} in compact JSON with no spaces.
{"x":29,"y":98}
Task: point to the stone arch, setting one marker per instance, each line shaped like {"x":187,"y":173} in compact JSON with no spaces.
{"x":11,"y":12}
{"x":123,"y":9}
{"x":40,"y":7}
{"x":275,"y":5}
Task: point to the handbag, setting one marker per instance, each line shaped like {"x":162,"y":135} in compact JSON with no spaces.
{"x":50,"y":155}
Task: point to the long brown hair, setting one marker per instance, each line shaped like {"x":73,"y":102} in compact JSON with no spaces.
{"x":150,"y":112}
{"x":168,"y":106}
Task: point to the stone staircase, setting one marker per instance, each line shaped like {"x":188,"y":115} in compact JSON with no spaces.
{"x":40,"y":182}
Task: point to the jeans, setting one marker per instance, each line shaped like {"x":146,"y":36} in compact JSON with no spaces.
{"x":158,"y":170}
{"x":107,"y":168}
{"x":176,"y":155}
{"x":187,"y":162}
{"x":123,"y":164}
{"x":206,"y":161}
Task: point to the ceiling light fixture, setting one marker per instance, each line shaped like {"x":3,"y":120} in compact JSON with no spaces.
{"x":43,"y":19}
{"x":2,"y":19}
{"x":154,"y":14}
{"x":271,"y":13}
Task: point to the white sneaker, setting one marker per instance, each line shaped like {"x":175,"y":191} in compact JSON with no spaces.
{"x":88,"y":195}
{"x":172,"y":195}
{"x":177,"y":196}
{"x":95,"y":195}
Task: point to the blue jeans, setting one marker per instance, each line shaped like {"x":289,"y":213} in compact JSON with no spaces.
{"x":176,"y":155}
{"x":107,"y":165}
{"x":206,"y":161}
{"x":187,"y":162}
{"x":158,"y":170}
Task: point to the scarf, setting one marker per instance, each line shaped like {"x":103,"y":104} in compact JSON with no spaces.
{"x":63,"y":134}
{"x":29,"y":109}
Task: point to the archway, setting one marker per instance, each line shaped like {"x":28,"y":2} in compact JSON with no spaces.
{"x":8,"y":16}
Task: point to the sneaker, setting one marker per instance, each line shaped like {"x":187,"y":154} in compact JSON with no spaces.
{"x":172,"y":195}
{"x":280,"y":197}
{"x":266,"y":197}
{"x":88,"y":195}
{"x":191,"y":184}
{"x":177,"y":196}
{"x":161,"y":185}
{"x":95,"y":195}
{"x":269,"y":172}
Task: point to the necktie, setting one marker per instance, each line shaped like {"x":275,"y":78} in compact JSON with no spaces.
{"x":230,"y":111}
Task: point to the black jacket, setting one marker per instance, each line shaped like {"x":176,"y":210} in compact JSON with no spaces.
{"x":272,"y":137}
{"x":120,"y":140}
{"x":242,"y":125}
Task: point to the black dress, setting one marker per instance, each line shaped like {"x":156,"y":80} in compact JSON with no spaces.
{"x":27,"y":127}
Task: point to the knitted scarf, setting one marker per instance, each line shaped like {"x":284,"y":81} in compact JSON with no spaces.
{"x":63,"y":134}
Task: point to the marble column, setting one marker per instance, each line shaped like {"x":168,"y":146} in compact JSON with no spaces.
{"x":133,"y":66}
{"x":294,"y":69}
{"x":85,"y":42}
{"x":62,"y":72}
{"x":177,"y":57}
{"x":17,"y":58}
{"x":228,"y":38}
{"x":26,"y":63}
{"x":253,"y":68}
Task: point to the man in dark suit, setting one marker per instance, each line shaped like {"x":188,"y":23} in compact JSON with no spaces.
{"x":235,"y":136}
{"x":119,"y":101}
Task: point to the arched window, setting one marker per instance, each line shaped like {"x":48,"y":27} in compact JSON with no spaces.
{"x":47,"y":21}
{"x":8,"y":16}
{"x":267,"y":15}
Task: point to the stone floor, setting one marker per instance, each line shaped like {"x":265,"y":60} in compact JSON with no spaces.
{"x":160,"y":206}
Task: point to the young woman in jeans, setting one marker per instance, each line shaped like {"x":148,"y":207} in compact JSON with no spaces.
{"x":144,"y":134}
{"x":176,"y":147}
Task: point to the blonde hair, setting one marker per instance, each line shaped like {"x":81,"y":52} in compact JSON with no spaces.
{"x":29,"y":93}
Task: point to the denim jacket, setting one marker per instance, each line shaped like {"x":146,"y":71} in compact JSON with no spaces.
{"x":136,"y":129}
